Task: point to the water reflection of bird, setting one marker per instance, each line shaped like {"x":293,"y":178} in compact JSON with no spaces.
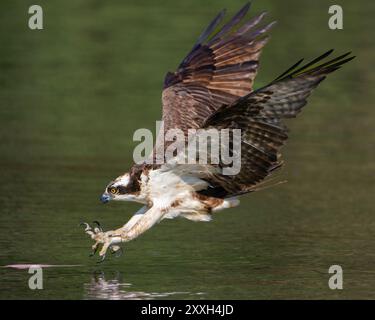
{"x":116,"y":289}
{"x":213,"y":89}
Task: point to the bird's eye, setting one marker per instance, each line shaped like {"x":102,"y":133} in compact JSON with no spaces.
{"x":113,"y":190}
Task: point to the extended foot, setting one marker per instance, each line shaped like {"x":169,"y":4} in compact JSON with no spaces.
{"x":108,"y":240}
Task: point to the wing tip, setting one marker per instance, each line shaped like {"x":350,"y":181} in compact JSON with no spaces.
{"x":323,"y":68}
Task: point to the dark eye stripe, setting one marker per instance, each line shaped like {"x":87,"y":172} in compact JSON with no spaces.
{"x":122,"y":190}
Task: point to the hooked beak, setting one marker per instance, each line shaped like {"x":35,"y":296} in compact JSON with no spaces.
{"x":105,"y":198}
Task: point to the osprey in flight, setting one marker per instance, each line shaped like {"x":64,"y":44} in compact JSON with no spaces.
{"x":213,"y":89}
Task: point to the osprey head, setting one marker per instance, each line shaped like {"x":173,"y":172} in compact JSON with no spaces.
{"x":126,"y":187}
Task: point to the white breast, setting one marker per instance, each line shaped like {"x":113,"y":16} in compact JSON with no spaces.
{"x":166,"y":188}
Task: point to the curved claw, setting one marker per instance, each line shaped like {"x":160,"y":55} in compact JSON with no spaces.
{"x":102,"y":259}
{"x":93,"y":252}
{"x":118,"y":253}
{"x":86,"y":225}
{"x":98,"y":225}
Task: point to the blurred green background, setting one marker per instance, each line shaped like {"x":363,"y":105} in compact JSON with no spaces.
{"x":71,"y":97}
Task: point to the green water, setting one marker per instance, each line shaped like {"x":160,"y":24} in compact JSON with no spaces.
{"x":73,"y":94}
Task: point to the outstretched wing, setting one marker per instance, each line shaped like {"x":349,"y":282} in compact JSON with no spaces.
{"x":259,"y":116}
{"x":219,"y":69}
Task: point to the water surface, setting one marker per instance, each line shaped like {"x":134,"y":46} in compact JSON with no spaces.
{"x":72,"y":96}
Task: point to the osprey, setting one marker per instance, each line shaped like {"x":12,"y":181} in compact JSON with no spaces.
{"x":213,"y":89}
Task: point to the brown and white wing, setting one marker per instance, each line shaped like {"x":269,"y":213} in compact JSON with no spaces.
{"x":219,"y":69}
{"x":259,"y":115}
